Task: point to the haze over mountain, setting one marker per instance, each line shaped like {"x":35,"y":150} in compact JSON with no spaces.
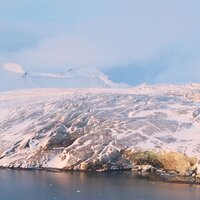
{"x":14,"y":76}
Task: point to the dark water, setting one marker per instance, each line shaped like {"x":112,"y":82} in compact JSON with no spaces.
{"x":41,"y":185}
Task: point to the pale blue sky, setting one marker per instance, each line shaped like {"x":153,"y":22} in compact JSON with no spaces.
{"x":134,"y":41}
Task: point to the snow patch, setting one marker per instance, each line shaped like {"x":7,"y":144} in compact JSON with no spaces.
{"x":13,"y":67}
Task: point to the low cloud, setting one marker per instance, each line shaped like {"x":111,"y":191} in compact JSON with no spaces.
{"x":128,"y":32}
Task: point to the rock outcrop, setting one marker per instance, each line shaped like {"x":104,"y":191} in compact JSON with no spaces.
{"x":167,"y":160}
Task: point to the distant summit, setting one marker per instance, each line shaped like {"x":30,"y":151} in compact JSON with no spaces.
{"x":13,"y":67}
{"x":14,"y":76}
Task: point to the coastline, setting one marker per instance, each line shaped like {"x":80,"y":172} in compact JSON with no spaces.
{"x":153,"y":176}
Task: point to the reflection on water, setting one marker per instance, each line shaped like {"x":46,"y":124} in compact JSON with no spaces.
{"x":41,"y":185}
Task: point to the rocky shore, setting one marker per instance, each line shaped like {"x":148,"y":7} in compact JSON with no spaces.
{"x":165,"y":165}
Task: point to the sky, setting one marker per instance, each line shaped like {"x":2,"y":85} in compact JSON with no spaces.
{"x":133,"y":41}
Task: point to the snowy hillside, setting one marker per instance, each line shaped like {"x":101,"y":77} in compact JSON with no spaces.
{"x":13,"y":76}
{"x":73,"y":128}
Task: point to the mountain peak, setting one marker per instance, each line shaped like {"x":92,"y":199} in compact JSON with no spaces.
{"x":15,"y":77}
{"x":13,"y":67}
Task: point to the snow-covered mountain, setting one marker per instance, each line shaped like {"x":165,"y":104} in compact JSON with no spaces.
{"x":14,"y":76}
{"x":81,"y":128}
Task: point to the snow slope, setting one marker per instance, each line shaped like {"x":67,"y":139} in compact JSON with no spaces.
{"x":69,"y":128}
{"x":13,"y":76}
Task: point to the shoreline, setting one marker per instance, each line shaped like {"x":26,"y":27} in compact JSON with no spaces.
{"x":152,"y":176}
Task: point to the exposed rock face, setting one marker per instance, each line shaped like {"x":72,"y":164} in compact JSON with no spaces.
{"x":170,"y":161}
{"x":59,"y":138}
{"x":101,"y":129}
{"x":175,"y":161}
{"x":144,"y":158}
{"x":198,"y":176}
